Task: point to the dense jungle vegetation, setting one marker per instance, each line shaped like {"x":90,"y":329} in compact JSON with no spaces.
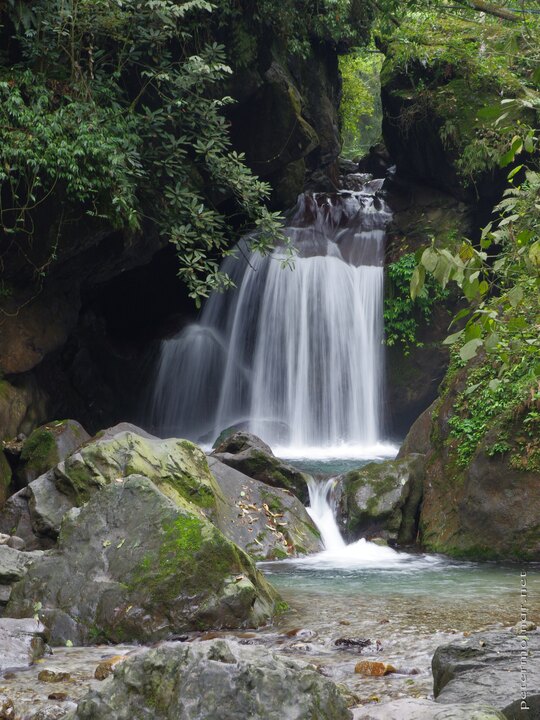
{"x":118,"y":111}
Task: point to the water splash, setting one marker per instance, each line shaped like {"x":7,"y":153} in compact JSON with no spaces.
{"x":294,"y":356}
{"x":357,"y":555}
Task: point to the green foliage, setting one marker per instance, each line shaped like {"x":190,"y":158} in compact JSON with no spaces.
{"x":403,"y":317}
{"x":116,"y":108}
{"x":499,"y":341}
{"x":360,"y":109}
{"x":451,"y":68}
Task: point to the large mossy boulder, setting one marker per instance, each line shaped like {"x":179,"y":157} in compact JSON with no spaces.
{"x":268,"y":522}
{"x":253,"y":457}
{"x":482,"y":482}
{"x":210,"y":680}
{"x":382,"y":500}
{"x":47,"y":445}
{"x":496,"y":668}
{"x":134,"y":565}
{"x":178,"y":467}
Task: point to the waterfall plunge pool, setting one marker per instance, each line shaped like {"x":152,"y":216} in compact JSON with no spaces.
{"x":404,"y":604}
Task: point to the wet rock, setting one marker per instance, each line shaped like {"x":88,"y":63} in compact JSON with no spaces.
{"x":521,"y":628}
{"x":22,"y":642}
{"x":267,"y":522}
{"x":253,"y":457}
{"x":53,"y":712}
{"x":302,"y":634}
{"x":426,"y":710}
{"x":105,"y":668}
{"x":7,"y":710}
{"x":132,"y":564}
{"x":47,"y":446}
{"x":374,"y":668}
{"x":53,"y":676}
{"x":381,"y":499}
{"x":214,"y":679}
{"x":14,"y":563}
{"x":357,"y":644}
{"x":495,"y":668}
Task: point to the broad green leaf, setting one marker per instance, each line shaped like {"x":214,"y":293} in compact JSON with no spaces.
{"x":515,"y":296}
{"x":469,"y":350}
{"x":451,"y":339}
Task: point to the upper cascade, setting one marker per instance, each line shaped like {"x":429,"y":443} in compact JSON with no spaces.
{"x":294,"y":356}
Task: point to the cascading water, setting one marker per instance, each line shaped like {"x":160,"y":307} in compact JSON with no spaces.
{"x":293,"y":356}
{"x":336,"y":553}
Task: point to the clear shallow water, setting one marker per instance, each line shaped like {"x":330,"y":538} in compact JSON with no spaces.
{"x":405,"y":609}
{"x":336,"y":460}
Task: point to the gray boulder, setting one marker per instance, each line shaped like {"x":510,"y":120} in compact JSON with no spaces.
{"x":47,"y":446}
{"x":498,"y":668}
{"x":427,"y":710}
{"x":134,"y":565}
{"x":382,"y":500}
{"x":250,"y":455}
{"x":213,"y":680}
{"x":15,"y":563}
{"x":267,"y":522}
{"x":22,"y":642}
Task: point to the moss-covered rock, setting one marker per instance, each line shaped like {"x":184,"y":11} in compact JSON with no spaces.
{"x":133,"y":565}
{"x":382,"y":499}
{"x":47,"y":446}
{"x":178,"y":467}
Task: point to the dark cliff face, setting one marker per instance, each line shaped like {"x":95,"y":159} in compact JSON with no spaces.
{"x":77,"y":329}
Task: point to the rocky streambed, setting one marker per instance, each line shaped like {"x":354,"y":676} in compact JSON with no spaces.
{"x":130,"y":590}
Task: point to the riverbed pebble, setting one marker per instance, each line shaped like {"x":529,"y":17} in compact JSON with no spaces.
{"x":373,"y":668}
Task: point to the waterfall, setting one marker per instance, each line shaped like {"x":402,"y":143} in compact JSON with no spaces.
{"x":294,"y":356}
{"x":336,"y":553}
{"x":322,"y":511}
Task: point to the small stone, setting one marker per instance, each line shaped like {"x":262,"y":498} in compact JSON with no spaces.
{"x":354,"y":643}
{"x":4,"y":538}
{"x":524,"y":627}
{"x":105,"y":668}
{"x":344,"y":622}
{"x":301,"y":633}
{"x":16,"y":543}
{"x":57,"y":696}
{"x":373,"y":668}
{"x":7,"y":711}
{"x":53,"y":676}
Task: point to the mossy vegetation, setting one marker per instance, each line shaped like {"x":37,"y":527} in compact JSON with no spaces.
{"x":449,"y":72}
